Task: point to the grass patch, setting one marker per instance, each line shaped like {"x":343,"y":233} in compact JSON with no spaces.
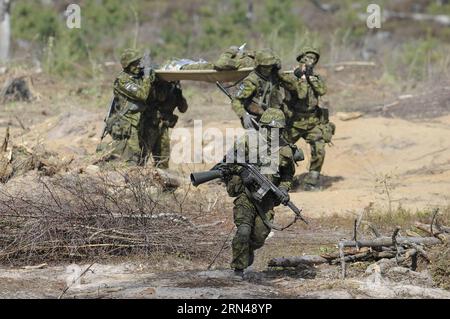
{"x":405,"y":218}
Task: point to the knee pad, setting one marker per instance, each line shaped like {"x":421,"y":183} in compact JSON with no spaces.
{"x":243,"y":233}
{"x":320,"y":149}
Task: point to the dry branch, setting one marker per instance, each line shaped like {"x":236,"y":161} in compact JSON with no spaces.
{"x":82,"y":216}
{"x":427,"y":228}
{"x":294,"y":261}
{"x":387,"y":241}
{"x":380,"y":248}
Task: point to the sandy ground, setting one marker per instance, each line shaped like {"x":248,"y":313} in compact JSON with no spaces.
{"x":416,"y":155}
{"x":133,"y":280}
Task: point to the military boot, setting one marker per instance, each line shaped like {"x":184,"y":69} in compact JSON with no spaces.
{"x":251,"y":258}
{"x":311,"y":182}
{"x":238,"y":274}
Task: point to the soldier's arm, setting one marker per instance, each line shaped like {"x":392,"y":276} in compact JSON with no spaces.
{"x":133,"y":90}
{"x":287,"y":81}
{"x":181,"y":101}
{"x":294,"y":85}
{"x":318,"y":84}
{"x":245,"y":92}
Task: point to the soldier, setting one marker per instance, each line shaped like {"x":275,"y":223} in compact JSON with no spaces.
{"x":156,"y":121}
{"x":235,"y":58}
{"x":253,"y":217}
{"x":305,"y":119}
{"x":259,"y":90}
{"x":131,"y":93}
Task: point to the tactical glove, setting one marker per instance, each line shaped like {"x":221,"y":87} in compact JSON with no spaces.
{"x":309,"y":70}
{"x":286,"y":197}
{"x":298,"y":72}
{"x":247,"y":122}
{"x":247,"y":178}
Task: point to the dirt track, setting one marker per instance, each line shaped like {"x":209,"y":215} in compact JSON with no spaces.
{"x":132,"y":280}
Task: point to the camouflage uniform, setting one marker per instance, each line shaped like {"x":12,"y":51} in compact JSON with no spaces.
{"x":131,"y":92}
{"x":234,"y":59}
{"x":156,"y":121}
{"x":260,"y":89}
{"x":248,"y":213}
{"x":305,"y":119}
{"x":231,"y":59}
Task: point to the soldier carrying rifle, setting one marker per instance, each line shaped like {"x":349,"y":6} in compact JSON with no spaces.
{"x":256,"y":191}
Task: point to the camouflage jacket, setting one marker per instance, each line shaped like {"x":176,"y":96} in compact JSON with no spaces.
{"x":131,"y":92}
{"x":265,"y":92}
{"x":283,"y":176}
{"x":302,"y":96}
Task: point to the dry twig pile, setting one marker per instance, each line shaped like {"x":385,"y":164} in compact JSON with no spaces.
{"x":79,"y":216}
{"x":402,"y":250}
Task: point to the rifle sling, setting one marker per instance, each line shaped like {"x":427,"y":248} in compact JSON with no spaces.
{"x":261,"y":213}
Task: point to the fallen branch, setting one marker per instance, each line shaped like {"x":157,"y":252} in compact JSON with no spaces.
{"x":387,"y":241}
{"x":294,"y":261}
{"x":427,"y":229}
{"x":368,"y":255}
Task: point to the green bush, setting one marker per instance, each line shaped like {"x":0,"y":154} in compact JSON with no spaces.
{"x":64,"y":50}
{"x":31,"y":21}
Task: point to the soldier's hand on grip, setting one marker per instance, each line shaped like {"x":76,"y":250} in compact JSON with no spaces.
{"x":309,"y":70}
{"x":286,"y":197}
{"x":298,"y":72}
{"x":247,"y":121}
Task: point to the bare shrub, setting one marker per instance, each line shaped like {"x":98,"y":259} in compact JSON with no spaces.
{"x":117,"y":213}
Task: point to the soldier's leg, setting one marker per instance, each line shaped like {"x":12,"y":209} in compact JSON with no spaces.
{"x":315,"y":139}
{"x":317,"y":156}
{"x":198,"y":66}
{"x":259,"y":233}
{"x":148,"y":138}
{"x":244,"y":218}
{"x":161,"y":149}
{"x":125,"y":144}
{"x":133,"y":149}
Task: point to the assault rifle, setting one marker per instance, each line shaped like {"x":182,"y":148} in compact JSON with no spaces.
{"x":111,"y":109}
{"x":250,"y":174}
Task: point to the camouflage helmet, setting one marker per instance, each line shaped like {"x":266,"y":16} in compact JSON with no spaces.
{"x":266,"y":58}
{"x":273,"y":117}
{"x":129,"y":56}
{"x":306,"y":50}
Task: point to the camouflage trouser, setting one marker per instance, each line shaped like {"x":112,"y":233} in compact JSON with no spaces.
{"x":314,"y":137}
{"x":155,"y":141}
{"x":198,"y":66}
{"x":125,"y":139}
{"x":251,"y":231}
